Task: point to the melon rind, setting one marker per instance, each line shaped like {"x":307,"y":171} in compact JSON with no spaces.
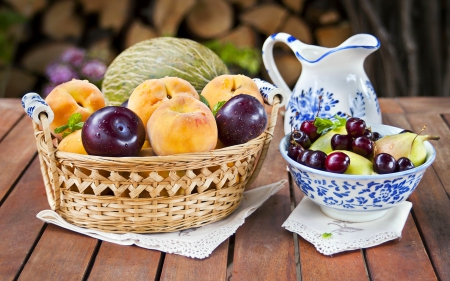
{"x":156,"y":58}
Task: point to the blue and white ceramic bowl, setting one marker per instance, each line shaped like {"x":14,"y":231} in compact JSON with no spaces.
{"x":357,"y":198}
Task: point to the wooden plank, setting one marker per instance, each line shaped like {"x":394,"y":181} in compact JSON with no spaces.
{"x":336,"y":265}
{"x":436,"y":126}
{"x":410,"y":247}
{"x":212,"y":268}
{"x":18,"y":223}
{"x":117,"y":262}
{"x":264,"y":250}
{"x":425,"y":104}
{"x":387,"y":261}
{"x":10,"y":112}
{"x":16,"y":152}
{"x":60,"y":253}
{"x":431,"y":203}
{"x":389,"y":106}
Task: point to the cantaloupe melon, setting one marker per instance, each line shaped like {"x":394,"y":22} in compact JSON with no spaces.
{"x":157,"y":58}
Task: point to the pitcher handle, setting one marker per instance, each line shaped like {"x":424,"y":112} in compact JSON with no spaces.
{"x":269,"y":62}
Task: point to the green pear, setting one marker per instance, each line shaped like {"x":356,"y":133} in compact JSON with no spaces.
{"x":407,"y":144}
{"x":359,"y":165}
{"x":323,"y":143}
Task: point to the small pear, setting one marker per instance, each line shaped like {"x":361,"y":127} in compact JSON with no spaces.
{"x":359,"y":165}
{"x":406,"y":144}
{"x":323,"y":143}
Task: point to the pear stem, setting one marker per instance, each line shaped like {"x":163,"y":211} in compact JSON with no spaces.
{"x":412,"y":143}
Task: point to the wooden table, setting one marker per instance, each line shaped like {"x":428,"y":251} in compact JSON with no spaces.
{"x":260,"y":250}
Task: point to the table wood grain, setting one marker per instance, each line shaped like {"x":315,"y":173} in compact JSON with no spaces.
{"x":260,"y":249}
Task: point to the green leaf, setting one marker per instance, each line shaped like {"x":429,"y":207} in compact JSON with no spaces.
{"x":326,"y":235}
{"x":325,"y":124}
{"x":204,"y":100}
{"x":217,"y":107}
{"x":73,"y":120}
{"x":66,"y":134}
{"x":79,"y":126}
{"x":61,"y":129}
{"x":74,"y":123}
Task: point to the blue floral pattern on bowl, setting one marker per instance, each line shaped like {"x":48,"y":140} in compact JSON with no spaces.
{"x":357,"y":196}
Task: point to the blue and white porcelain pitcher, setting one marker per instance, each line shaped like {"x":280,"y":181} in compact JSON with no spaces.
{"x":336,"y":74}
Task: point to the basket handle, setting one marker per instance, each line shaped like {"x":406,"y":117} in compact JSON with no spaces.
{"x":277,"y":103}
{"x":41,"y":114}
{"x":49,"y":170}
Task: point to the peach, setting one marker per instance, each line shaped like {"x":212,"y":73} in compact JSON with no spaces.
{"x":182,"y":124}
{"x":72,"y":143}
{"x":148,"y":95}
{"x":224,"y":87}
{"x":71,"y":97}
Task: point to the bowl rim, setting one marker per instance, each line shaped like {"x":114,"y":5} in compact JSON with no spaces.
{"x":431,"y":155}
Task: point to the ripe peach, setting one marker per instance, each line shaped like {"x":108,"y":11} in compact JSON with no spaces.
{"x":146,"y":98}
{"x":72,"y":143}
{"x":71,"y":97}
{"x":224,"y":87}
{"x":182,"y":124}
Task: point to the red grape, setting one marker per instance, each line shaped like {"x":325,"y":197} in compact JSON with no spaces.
{"x":341,"y":142}
{"x":362,"y":146}
{"x":316,"y":160}
{"x":337,"y":162}
{"x":310,"y":129}
{"x":384,"y":163}
{"x":403,"y":164}
{"x":301,"y":138}
{"x":355,"y":126}
{"x":294,"y":151}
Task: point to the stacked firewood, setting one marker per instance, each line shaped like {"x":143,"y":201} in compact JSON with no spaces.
{"x":109,"y":26}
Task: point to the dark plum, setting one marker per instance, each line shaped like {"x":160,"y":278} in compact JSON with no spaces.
{"x":337,"y":162}
{"x":362,"y":146}
{"x":310,"y":129}
{"x":384,"y":163}
{"x":113,"y":131}
{"x":341,"y":142}
{"x":240,"y":119}
{"x":355,"y":126}
{"x":404,"y":164}
{"x":301,"y":138}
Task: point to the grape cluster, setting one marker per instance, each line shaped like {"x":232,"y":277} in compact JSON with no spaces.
{"x":359,"y":139}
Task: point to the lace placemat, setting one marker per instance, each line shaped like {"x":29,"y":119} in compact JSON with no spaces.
{"x":195,"y":242}
{"x":331,"y":236}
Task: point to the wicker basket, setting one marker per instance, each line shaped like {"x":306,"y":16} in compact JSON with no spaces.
{"x":149,"y":194}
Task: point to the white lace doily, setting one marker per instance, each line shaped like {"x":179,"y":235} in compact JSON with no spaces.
{"x":195,"y":242}
{"x":331,"y":236}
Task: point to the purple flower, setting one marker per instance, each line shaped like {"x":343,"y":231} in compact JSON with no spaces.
{"x":73,"y":56}
{"x":47,"y":89}
{"x":60,"y":73}
{"x":94,"y":70}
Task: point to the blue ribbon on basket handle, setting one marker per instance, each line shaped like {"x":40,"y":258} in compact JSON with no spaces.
{"x":34,"y":105}
{"x":269,"y":91}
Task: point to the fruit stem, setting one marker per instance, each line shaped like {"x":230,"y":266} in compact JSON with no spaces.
{"x":412,"y":143}
{"x":318,"y":109}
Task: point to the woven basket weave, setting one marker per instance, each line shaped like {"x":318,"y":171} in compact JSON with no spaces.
{"x":149,"y":194}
